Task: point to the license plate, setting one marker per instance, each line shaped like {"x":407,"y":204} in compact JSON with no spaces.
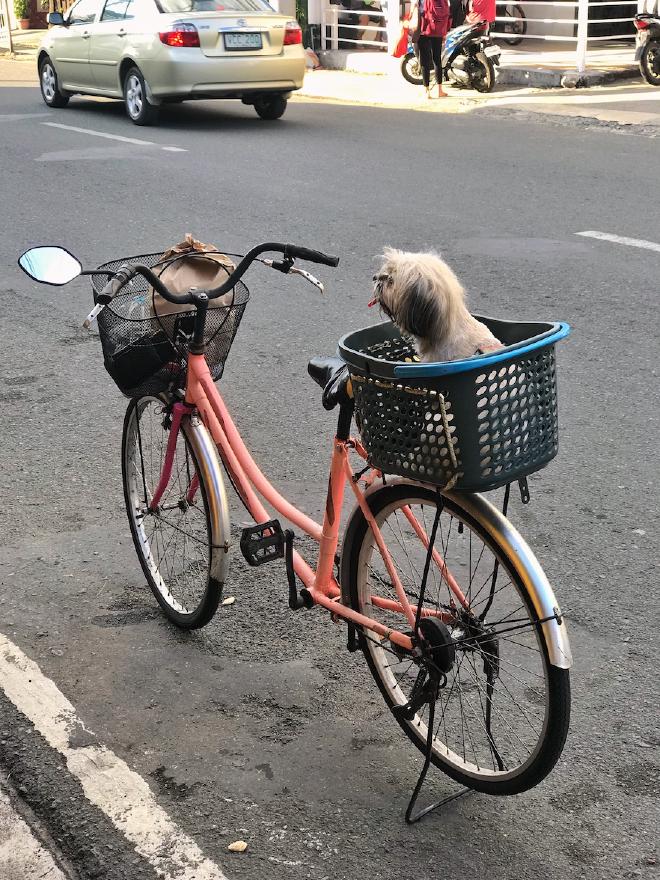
{"x":492,"y":51}
{"x":236,"y":42}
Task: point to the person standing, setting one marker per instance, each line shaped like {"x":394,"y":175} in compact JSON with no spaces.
{"x":434,"y":24}
{"x":480,"y":10}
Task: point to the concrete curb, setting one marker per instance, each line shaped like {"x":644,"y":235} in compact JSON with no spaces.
{"x":530,"y":77}
{"x":540,"y":78}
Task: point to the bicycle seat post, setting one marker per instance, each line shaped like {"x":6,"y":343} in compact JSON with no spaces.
{"x":200,"y":300}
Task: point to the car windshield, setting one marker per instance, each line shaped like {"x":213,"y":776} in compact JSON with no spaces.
{"x":177,"y":6}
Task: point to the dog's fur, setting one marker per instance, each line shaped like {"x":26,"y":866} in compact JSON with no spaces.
{"x":423,"y":297}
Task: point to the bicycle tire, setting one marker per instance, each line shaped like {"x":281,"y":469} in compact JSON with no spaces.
{"x":182,"y":549}
{"x":515,"y":12}
{"x":356,"y":559}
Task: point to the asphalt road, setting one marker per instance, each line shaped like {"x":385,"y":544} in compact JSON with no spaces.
{"x":261,"y":726}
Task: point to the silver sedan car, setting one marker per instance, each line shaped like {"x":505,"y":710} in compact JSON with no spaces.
{"x":151,"y":52}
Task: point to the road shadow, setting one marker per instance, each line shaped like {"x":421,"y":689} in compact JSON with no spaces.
{"x":225,"y":116}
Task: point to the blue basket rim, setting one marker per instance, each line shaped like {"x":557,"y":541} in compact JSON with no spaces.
{"x":559,"y":330}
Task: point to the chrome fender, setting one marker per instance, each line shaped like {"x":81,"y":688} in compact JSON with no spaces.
{"x":211,"y":472}
{"x":525,"y":563}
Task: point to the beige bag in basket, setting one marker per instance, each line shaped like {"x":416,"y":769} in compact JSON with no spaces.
{"x":202,"y":266}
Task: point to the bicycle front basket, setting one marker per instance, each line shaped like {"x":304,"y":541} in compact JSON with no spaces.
{"x":479,"y":423}
{"x":146,"y":353}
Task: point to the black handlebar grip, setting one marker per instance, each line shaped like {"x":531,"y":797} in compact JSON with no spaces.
{"x":115,"y":284}
{"x":293,"y":250}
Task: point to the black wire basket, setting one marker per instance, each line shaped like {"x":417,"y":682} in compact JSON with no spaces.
{"x":145,"y":352}
{"x":474,"y":424}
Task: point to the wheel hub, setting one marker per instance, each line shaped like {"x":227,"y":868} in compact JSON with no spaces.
{"x":438,"y":643}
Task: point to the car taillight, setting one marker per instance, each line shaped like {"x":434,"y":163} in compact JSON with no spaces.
{"x":640,"y":24}
{"x":292,"y":33}
{"x":182,"y":34}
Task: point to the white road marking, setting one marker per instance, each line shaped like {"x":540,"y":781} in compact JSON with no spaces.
{"x":621,"y":239}
{"x":112,"y":137}
{"x":21,"y":854}
{"x":108,"y":782}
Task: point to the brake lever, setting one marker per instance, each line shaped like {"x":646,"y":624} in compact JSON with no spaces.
{"x":308,"y":277}
{"x":111,"y":289}
{"x":288,"y":268}
{"x":89,"y":320}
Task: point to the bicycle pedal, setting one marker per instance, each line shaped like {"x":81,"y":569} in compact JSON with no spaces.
{"x":262,"y":543}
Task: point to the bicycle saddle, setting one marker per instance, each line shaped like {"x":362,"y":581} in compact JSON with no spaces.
{"x":331,"y":373}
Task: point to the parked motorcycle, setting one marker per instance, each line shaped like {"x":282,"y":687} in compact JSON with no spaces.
{"x":468,"y":58}
{"x":648,"y":46}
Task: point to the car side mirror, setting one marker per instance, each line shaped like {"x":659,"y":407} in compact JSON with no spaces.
{"x":55,"y":18}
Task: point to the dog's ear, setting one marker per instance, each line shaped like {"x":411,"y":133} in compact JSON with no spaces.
{"x":419,"y":312}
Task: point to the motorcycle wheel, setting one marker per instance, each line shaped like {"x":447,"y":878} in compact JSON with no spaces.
{"x":411,"y":69}
{"x":514,"y":25}
{"x":649,"y":63}
{"x":482,"y":74}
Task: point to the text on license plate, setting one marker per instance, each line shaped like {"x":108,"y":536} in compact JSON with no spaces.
{"x":243,"y":41}
{"x":490,"y":51}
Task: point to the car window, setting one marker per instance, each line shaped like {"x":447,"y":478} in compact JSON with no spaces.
{"x":177,"y":6}
{"x":114,"y":10}
{"x":83,"y":12}
{"x":118,"y":10}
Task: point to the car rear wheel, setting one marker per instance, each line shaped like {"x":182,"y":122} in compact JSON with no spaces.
{"x":50,"y":89}
{"x":270,"y":106}
{"x":139,"y":109}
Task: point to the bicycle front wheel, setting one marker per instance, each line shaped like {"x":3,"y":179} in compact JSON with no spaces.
{"x":182,"y":544}
{"x":501,"y":716}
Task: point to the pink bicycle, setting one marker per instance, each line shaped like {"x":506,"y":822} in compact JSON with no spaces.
{"x":457,"y":621}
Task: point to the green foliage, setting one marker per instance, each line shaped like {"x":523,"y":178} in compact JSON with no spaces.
{"x":22,"y":8}
{"x":301,"y":13}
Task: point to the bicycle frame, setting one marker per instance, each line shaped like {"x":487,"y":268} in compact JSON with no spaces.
{"x":203,"y":396}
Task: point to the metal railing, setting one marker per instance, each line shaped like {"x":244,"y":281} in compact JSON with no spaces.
{"x":581,"y":22}
{"x":340,"y":28}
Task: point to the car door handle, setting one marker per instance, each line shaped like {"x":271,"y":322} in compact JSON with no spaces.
{"x":121,"y":33}
{"x":86,"y":35}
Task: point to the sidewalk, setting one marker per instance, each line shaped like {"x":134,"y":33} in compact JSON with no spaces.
{"x":25,"y":43}
{"x":534,"y":63}
{"x":630,"y":103}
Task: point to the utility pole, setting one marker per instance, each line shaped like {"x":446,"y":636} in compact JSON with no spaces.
{"x":5,"y":15}
{"x":582,"y":36}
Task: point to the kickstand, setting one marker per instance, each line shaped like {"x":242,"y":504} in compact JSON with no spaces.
{"x":430,"y":693}
{"x":410,"y":819}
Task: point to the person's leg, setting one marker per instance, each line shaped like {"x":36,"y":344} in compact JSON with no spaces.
{"x":436,"y":52}
{"x":425,"y":60}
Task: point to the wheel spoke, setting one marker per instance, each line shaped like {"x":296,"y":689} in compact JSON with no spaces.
{"x":491,"y":716}
{"x":173,"y":539}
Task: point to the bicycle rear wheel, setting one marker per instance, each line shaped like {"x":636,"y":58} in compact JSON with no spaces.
{"x":514,"y":25}
{"x":502,"y":716}
{"x":182,"y":545}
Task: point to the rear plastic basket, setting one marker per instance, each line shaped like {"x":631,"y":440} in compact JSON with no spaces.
{"x":498,"y":411}
{"x":147,"y":355}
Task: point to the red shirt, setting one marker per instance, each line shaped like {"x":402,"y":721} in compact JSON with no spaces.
{"x":435,"y":18}
{"x":480,"y":10}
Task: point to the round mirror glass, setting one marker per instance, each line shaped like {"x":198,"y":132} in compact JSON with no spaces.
{"x":50,"y":265}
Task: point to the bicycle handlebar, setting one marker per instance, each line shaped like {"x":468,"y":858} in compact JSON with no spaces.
{"x":126,"y":272}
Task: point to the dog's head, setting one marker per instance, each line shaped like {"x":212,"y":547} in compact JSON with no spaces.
{"x":419,"y":292}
